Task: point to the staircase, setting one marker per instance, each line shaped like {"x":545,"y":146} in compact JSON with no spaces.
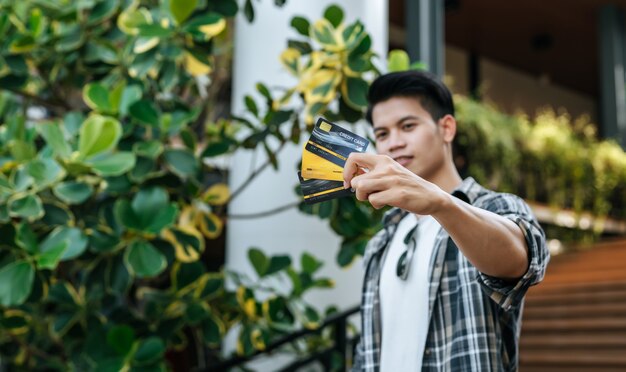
{"x":575,"y":320}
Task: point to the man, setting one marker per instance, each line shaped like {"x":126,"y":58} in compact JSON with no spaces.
{"x":446,"y":276}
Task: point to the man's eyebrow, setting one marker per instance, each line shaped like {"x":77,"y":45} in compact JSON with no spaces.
{"x":408,"y":117}
{"x":400,"y":121}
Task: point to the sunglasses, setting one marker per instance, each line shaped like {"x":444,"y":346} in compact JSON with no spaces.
{"x":404,"y":263}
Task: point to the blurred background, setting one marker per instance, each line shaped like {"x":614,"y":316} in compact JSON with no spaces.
{"x":150,"y":216}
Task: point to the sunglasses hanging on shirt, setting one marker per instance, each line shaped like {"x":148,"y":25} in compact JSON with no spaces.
{"x":404,"y":263}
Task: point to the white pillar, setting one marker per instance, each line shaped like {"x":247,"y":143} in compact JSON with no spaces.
{"x":256,"y":59}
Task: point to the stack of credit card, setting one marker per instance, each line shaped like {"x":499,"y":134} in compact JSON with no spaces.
{"x":323,"y":158}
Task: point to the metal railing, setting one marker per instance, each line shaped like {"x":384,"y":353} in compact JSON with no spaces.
{"x":342,"y":345}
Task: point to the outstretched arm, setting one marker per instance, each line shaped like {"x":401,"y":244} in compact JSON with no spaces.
{"x":495,"y":245}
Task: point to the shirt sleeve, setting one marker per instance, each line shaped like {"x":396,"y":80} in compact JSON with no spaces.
{"x":357,"y":360}
{"x":507,"y":294}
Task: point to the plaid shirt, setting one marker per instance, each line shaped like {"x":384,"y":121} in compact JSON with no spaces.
{"x":475,"y":319}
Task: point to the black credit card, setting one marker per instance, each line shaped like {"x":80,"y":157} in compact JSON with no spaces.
{"x":333,"y":143}
{"x":315,"y":191}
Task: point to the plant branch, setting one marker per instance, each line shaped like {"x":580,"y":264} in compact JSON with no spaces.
{"x":254,"y":174}
{"x":39,"y":100}
{"x":264,"y":213}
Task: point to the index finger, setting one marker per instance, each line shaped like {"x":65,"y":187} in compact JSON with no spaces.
{"x":354,"y":163}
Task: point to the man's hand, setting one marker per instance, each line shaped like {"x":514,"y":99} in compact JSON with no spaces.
{"x":382,"y":181}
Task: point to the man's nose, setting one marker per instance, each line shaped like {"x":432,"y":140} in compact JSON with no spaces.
{"x":396,"y":141}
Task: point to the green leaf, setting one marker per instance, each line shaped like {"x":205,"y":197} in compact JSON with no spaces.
{"x":355,"y":92}
{"x":100,"y":241}
{"x":22,"y":44}
{"x":144,"y":260}
{"x":228,"y":8}
{"x":211,"y":331}
{"x":21,"y":180}
{"x":130,"y":95}
{"x":278,"y":263}
{"x":16,"y":283}
{"x":150,"y":211}
{"x":323,"y":32}
{"x":350,"y":249}
{"x":73,"y":192}
{"x":278,"y":117}
{"x":217,"y":148}
{"x":279,"y":315}
{"x":115,"y":97}
{"x":248,"y":11}
{"x":96,"y":96}
{"x":145,"y":112}
{"x":155,"y":30}
{"x":126,"y":216}
{"x":53,"y":135}
{"x":121,"y":339}
{"x":4,"y":213}
{"x":72,"y":123}
{"x":182,"y":162}
{"x":148,"y":202}
{"x":114,"y":164}
{"x":189,"y":139}
{"x":195,"y":313}
{"x":56,"y":214}
{"x":150,"y":350}
{"x":28,"y":207}
{"x":302,"y":46}
{"x":117,"y":277}
{"x":25,"y":238}
{"x":182,"y":9}
{"x":264,"y":92}
{"x":185,"y":274}
{"x":418,"y":65}
{"x":143,"y":169}
{"x":148,"y":149}
{"x":50,"y":258}
{"x":98,"y":134}
{"x":22,"y":150}
{"x":301,"y":25}
{"x":76,"y":239}
{"x":44,"y":172}
{"x":259,"y":261}
{"x":310,"y":264}
{"x":103,"y":10}
{"x":334,"y":15}
{"x":398,"y":60}
{"x":251,"y":106}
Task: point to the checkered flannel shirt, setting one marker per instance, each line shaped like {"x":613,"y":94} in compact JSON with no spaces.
{"x":475,"y":319}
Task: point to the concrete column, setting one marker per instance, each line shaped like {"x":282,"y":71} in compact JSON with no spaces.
{"x":611,"y":32}
{"x":256,"y":59}
{"x":424,"y":20}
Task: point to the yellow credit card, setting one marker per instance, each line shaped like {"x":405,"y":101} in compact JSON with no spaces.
{"x":314,"y":166}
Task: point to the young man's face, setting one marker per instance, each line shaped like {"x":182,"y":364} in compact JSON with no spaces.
{"x":405,"y":131}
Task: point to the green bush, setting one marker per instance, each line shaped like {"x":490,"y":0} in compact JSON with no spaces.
{"x":108,"y":201}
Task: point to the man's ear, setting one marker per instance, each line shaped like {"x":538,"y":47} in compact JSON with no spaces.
{"x":448,"y":127}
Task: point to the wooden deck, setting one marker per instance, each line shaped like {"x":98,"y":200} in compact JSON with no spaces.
{"x":575,"y":320}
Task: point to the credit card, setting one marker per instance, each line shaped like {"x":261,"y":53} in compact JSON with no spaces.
{"x":333,"y":143}
{"x":315,"y":191}
{"x":314,"y":166}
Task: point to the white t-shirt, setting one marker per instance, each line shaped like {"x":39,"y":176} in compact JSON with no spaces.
{"x":404,"y":304}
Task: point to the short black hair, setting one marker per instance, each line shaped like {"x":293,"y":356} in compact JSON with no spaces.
{"x":431,"y":92}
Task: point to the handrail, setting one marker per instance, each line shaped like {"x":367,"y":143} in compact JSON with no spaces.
{"x":340,"y":341}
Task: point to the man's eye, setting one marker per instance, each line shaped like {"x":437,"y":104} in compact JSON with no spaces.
{"x":380,"y":135}
{"x":408,"y":126}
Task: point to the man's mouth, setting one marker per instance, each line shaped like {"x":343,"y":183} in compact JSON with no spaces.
{"x":403,"y":160}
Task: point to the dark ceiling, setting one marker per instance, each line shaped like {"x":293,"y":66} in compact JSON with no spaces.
{"x":553,"y":38}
